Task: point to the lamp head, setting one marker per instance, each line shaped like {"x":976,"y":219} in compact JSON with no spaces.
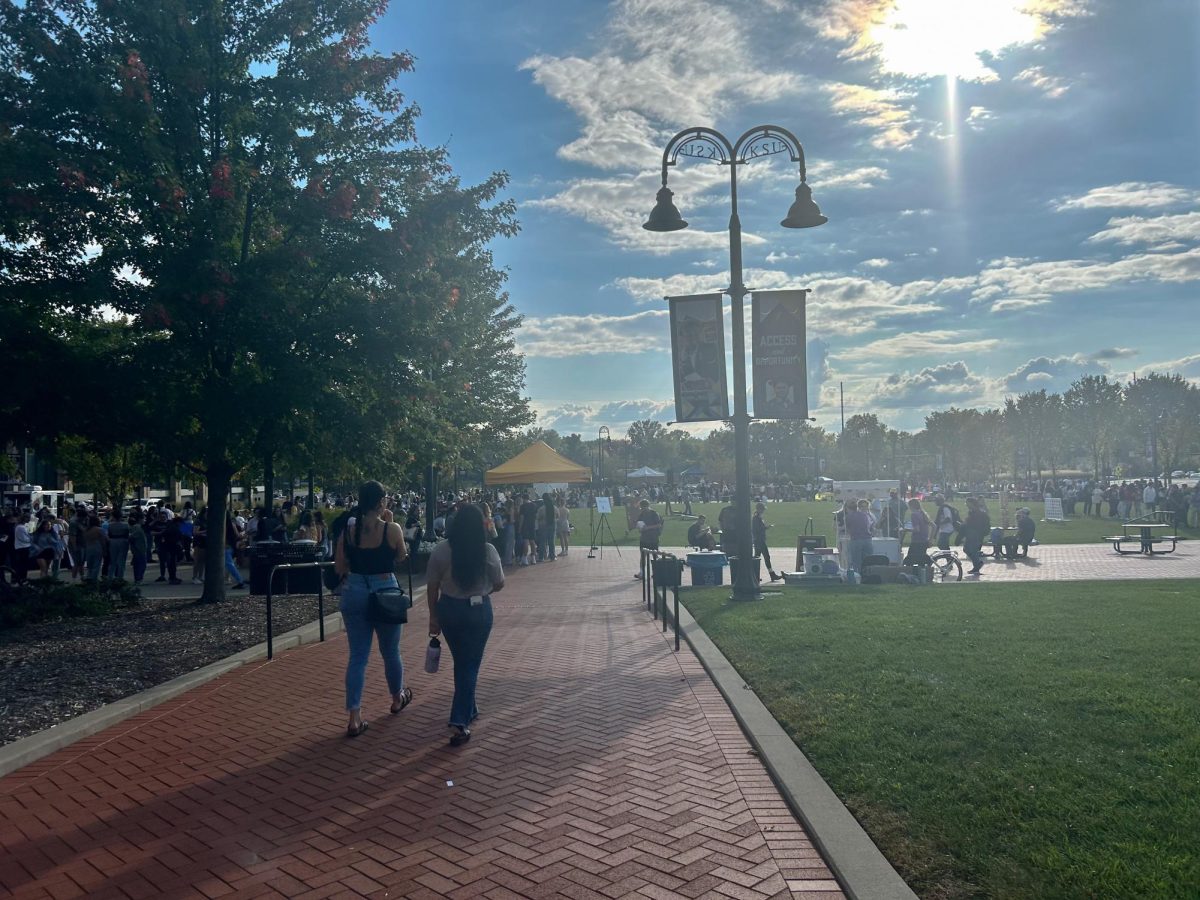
{"x":664,"y":216}
{"x":804,"y":212}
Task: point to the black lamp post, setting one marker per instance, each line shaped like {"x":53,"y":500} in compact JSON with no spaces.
{"x":706,"y":143}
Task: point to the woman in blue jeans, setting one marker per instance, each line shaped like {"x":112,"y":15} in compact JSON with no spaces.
{"x":368,"y":551}
{"x":463,"y":572}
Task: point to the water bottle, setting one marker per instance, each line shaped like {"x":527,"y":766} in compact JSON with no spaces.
{"x":433,"y":655}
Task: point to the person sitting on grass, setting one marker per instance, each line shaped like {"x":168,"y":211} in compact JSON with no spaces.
{"x":701,"y":536}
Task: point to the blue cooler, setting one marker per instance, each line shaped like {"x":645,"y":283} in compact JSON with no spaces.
{"x":708,"y":567}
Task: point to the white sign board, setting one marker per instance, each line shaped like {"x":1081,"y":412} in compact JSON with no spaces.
{"x":603,"y":505}
{"x":1054,"y":509}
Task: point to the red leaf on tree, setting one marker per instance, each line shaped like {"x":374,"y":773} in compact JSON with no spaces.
{"x":220,"y":185}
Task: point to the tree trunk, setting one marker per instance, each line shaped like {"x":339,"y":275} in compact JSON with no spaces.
{"x":269,"y":482}
{"x":219,"y":478}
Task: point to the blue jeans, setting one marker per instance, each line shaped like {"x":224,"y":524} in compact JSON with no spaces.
{"x":359,"y":631}
{"x":466,"y":629}
{"x":858,"y":550}
{"x":231,"y":566}
{"x":139,"y":566}
{"x":118,"y":550}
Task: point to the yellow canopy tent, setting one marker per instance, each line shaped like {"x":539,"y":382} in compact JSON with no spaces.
{"x":537,"y":464}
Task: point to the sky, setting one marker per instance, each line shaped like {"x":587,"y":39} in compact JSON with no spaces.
{"x":1012,"y":186}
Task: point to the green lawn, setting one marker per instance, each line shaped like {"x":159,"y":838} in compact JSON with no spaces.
{"x":1015,"y":741}
{"x":788,"y":520}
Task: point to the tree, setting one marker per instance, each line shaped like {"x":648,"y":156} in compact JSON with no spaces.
{"x":240,"y":184}
{"x":646,"y":438}
{"x":113,"y":471}
{"x":861,"y":443}
{"x":1093,"y":405}
{"x":1166,"y":410}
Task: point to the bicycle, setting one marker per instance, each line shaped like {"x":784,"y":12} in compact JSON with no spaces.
{"x":944,"y":565}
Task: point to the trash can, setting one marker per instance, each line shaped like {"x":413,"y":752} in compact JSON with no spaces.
{"x":735,"y":564}
{"x":668,"y":571}
{"x":708,"y":567}
{"x":268,"y":554}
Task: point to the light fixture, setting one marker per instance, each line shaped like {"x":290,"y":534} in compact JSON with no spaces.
{"x":664,"y":216}
{"x":804,"y":213}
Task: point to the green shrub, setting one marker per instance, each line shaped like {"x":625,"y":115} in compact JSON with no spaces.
{"x":48,"y":599}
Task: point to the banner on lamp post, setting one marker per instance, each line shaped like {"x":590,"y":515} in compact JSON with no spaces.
{"x":698,"y":358}
{"x":778,"y":361}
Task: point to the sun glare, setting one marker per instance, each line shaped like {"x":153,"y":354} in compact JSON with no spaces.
{"x":921,"y":38}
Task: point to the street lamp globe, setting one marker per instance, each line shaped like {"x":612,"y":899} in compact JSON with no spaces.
{"x":804,"y":213}
{"x":664,"y":216}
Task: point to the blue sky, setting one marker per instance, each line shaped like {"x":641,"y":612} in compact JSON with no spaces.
{"x":1013,"y":186}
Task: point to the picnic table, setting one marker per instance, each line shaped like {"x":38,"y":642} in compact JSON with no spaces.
{"x":1147,"y":537}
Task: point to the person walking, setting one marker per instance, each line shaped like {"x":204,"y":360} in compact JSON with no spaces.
{"x":139,"y":544}
{"x":464,"y":571}
{"x":549,"y":516}
{"x":94,"y":540}
{"x":758,"y":531}
{"x":650,"y":526}
{"x":918,"y":545}
{"x":233,"y":537}
{"x":199,"y":547}
{"x":367,"y":555}
{"x":975,"y":530}
{"x":562,"y":523}
{"x":118,"y":544}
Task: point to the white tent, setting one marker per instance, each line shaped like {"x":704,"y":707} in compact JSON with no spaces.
{"x":646,"y":473}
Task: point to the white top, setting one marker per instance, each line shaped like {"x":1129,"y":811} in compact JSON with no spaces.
{"x":21,"y":538}
{"x":1149,"y":494}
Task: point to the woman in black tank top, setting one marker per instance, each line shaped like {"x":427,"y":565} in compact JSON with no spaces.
{"x":367,"y":554}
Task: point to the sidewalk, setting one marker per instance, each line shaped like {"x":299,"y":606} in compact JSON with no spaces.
{"x":603,"y":765}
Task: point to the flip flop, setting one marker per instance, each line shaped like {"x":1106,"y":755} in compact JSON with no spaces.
{"x":461,"y":736}
{"x":355,"y":732}
{"x":406,"y":697}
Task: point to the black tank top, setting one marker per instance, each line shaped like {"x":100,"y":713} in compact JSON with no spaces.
{"x":380,"y":560}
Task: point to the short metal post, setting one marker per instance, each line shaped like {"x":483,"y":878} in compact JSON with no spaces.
{"x":675,"y":591}
{"x":320,"y":600}
{"x":270,"y":639}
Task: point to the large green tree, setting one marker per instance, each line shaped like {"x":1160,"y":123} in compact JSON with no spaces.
{"x":239,"y":185}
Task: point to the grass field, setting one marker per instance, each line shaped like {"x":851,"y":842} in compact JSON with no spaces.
{"x":1015,"y":741}
{"x":789,"y":519}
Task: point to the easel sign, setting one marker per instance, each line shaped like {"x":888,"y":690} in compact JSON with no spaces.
{"x":1054,"y":509}
{"x":604,"y":505}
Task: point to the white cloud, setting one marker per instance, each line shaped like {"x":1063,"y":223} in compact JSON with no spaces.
{"x":1051,"y":373}
{"x":1131,"y":194}
{"x":877,"y":262}
{"x":1050,"y":85}
{"x":1009,"y":284}
{"x":931,"y":387}
{"x":932,"y":38}
{"x":563,"y":336}
{"x":1165,"y":232}
{"x":918,"y":343}
{"x":881,"y":110}
{"x":1107,"y":353}
{"x":977,"y":116}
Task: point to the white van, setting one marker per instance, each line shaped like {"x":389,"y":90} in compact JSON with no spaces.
{"x":33,"y":497}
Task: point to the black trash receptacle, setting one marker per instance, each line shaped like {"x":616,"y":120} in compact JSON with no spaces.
{"x":735,"y":564}
{"x":268,"y":554}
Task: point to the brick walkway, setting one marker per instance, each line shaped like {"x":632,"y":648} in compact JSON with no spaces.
{"x":603,"y":765}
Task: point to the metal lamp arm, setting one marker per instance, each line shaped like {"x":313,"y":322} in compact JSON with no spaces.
{"x":722,"y":150}
{"x":779,"y":133}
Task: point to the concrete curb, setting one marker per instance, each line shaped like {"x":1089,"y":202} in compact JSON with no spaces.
{"x":26,"y":750}
{"x":861,"y":869}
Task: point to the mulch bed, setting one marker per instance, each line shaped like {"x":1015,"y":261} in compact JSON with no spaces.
{"x":55,"y":671}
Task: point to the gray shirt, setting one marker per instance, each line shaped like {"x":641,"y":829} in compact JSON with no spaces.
{"x":438,"y":573}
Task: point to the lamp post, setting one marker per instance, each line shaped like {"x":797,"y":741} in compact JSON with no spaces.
{"x":600,"y":436}
{"x":707,"y":143}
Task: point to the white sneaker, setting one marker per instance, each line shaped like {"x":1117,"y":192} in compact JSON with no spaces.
{"x":197,"y":581}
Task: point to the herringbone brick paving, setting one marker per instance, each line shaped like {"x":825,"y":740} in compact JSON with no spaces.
{"x":603,"y":765}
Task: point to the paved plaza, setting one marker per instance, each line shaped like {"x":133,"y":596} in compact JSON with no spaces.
{"x":603,"y":765}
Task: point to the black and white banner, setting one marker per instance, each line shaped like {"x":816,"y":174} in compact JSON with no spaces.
{"x":698,"y":358}
{"x":777,"y":335}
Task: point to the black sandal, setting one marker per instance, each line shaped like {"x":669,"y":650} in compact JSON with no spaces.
{"x":406,"y":696}
{"x":355,"y":732}
{"x":461,"y":736}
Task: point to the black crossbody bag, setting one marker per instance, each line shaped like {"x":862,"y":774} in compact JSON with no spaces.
{"x":388,"y":606}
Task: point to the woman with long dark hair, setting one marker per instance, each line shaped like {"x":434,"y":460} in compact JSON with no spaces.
{"x":463,"y":572}
{"x":368,"y":551}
